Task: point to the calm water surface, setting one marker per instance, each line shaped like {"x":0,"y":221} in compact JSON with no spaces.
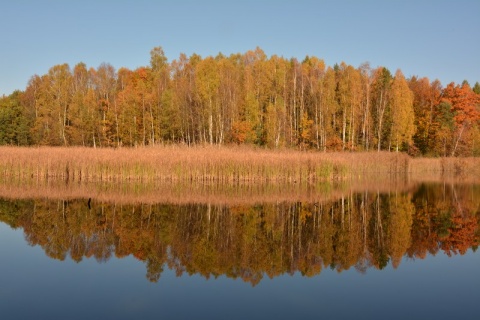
{"x":401,"y":255}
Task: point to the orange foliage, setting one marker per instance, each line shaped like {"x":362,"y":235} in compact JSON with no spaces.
{"x":464,"y":102}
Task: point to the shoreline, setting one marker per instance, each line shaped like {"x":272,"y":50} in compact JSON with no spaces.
{"x":223,"y":165}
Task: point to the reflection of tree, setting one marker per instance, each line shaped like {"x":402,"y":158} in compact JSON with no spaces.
{"x":461,"y":235}
{"x":250,"y":242}
{"x":377,"y":234}
{"x":445,"y":218}
{"x":400,"y":225}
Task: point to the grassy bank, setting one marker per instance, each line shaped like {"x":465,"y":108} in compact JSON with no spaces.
{"x":225,"y":165}
{"x":435,"y":169}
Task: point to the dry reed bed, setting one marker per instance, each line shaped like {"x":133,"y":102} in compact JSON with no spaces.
{"x":224,"y":165}
{"x":445,"y":169}
{"x":199,"y":164}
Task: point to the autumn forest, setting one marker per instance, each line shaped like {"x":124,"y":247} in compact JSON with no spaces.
{"x":244,"y":99}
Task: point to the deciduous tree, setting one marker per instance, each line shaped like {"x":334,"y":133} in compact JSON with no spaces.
{"x":403,"y":117}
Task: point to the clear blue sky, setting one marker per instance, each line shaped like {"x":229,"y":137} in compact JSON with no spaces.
{"x":434,"y":38}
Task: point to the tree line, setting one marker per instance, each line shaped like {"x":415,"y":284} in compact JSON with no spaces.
{"x":244,"y":99}
{"x":360,"y":230}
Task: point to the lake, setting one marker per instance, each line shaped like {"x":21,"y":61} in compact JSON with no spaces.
{"x":403,"y":253}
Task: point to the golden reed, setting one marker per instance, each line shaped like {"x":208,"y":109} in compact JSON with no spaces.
{"x":223,"y":165}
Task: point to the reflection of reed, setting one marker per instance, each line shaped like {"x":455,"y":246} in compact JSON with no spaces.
{"x":176,"y":193}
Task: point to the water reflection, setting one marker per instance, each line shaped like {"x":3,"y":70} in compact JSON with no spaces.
{"x":355,"y":230}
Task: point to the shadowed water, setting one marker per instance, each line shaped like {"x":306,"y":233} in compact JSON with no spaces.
{"x":410,"y":252}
